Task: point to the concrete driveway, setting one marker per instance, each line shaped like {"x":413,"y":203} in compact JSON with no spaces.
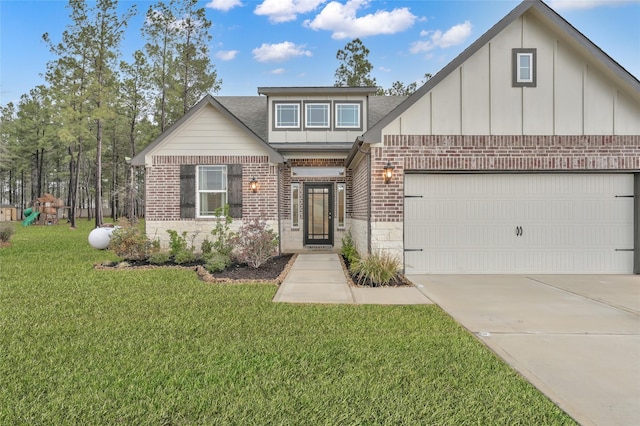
{"x":574,"y":337}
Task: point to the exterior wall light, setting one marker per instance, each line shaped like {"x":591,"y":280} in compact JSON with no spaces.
{"x":388,"y":172}
{"x":253,"y":185}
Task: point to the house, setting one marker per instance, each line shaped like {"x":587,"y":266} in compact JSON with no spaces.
{"x":522,"y":155}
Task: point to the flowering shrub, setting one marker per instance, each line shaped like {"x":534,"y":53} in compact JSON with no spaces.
{"x":254,"y":243}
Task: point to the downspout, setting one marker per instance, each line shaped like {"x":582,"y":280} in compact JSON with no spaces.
{"x":368,"y":155}
{"x":280,"y":171}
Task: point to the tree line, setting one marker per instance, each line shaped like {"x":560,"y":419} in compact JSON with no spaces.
{"x":74,"y":136}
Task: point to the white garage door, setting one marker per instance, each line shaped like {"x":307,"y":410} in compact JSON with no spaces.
{"x":518,"y":223}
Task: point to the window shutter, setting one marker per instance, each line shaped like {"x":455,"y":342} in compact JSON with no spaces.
{"x":187,"y":191}
{"x":234,"y":182}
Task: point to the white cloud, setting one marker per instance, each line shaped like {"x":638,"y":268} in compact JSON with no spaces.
{"x":437,"y":39}
{"x":226,"y":55}
{"x":384,"y":69}
{"x":342,"y":19}
{"x":286,"y":10}
{"x":278,"y":71}
{"x":279,"y":52}
{"x":223,"y":5}
{"x":586,"y":4}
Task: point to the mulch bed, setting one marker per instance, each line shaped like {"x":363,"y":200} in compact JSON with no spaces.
{"x":272,"y":272}
{"x":354,"y":280}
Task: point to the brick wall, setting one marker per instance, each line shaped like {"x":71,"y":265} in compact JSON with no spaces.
{"x":491,"y":153}
{"x":163,"y":185}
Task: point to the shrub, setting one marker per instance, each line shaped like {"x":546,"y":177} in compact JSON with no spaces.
{"x":6,"y":232}
{"x":159,"y":258}
{"x":254,"y":243}
{"x":184,"y":256}
{"x":216,"y":262}
{"x":376,"y":269}
{"x":206,"y":247}
{"x":177,"y":243}
{"x":349,"y":249}
{"x":129,"y":242}
{"x":222,"y":232}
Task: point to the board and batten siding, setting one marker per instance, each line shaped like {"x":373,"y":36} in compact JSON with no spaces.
{"x":574,"y":94}
{"x":208,"y":133}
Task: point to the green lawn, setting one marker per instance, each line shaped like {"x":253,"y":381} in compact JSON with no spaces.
{"x":81,"y":346}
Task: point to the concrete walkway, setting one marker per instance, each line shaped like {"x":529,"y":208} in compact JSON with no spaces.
{"x":319,"y":278}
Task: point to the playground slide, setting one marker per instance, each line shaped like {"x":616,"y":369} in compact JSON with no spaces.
{"x":31,"y":218}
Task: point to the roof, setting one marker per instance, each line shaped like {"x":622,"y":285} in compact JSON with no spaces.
{"x":251,"y":114}
{"x":373,"y":134}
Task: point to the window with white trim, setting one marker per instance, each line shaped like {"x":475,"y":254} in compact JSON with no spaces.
{"x":316,"y":115}
{"x":287,"y":116}
{"x":295,"y":205}
{"x":347,"y":115}
{"x":342,"y":205}
{"x":211,"y":187}
{"x":524,"y":67}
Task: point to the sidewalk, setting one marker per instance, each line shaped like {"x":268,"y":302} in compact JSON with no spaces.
{"x":319,"y":278}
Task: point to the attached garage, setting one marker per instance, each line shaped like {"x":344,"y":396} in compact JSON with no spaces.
{"x":519,"y":223}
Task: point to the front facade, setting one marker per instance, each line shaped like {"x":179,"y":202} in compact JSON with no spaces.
{"x":520,"y":156}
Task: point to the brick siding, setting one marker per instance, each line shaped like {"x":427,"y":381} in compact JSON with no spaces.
{"x":491,"y":153}
{"x":163,"y":185}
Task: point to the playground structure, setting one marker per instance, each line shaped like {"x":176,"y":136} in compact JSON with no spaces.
{"x":45,"y":211}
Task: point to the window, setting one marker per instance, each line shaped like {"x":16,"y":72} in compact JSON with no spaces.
{"x":316,"y":115}
{"x":287,"y":116}
{"x":342,"y":205}
{"x":524,"y":67}
{"x":348,"y":115}
{"x":211,"y":189}
{"x":295,"y":205}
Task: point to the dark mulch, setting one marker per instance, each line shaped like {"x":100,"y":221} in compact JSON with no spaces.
{"x":270,"y":271}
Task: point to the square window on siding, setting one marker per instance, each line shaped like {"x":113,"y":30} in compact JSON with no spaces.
{"x":524,"y":67}
{"x":211,"y":187}
{"x":316,"y":115}
{"x":342,"y":205}
{"x":295,"y":205}
{"x":287,"y":116}
{"x":347,"y":115}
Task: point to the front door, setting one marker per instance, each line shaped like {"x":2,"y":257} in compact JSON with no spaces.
{"x":318,"y":217}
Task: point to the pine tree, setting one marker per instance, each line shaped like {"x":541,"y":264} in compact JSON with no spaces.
{"x":355,"y":68}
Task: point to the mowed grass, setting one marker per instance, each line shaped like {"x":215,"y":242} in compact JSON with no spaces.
{"x":86,"y":346}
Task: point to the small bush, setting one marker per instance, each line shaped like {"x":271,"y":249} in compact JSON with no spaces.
{"x":206,"y":247}
{"x":6,"y":232}
{"x":177,"y":243}
{"x":349,"y":249}
{"x":129,"y":242}
{"x":184,"y":256}
{"x":216,"y":262}
{"x":222,"y":232}
{"x":376,"y":269}
{"x":159,"y":258}
{"x":255,"y":243}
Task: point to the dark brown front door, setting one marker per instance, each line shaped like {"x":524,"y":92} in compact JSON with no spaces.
{"x":318,"y":217}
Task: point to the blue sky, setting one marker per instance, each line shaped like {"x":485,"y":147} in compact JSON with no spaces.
{"x":294,"y":42}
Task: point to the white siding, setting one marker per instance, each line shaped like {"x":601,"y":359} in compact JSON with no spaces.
{"x":209,"y":133}
{"x":575,"y":94}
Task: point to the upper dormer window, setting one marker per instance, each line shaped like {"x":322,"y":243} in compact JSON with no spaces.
{"x":524,"y":67}
{"x":348,"y":115}
{"x":287,"y":115}
{"x":316,"y":115}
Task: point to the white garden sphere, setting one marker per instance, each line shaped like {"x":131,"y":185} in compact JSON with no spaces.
{"x":100,"y":238}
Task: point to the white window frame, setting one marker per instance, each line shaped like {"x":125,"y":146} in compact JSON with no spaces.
{"x":224,"y":190}
{"x":295,"y":201}
{"x":518,"y":57}
{"x":338,"y":106}
{"x":277,"y":108}
{"x":522,"y":68}
{"x":327,"y":109}
{"x":341,"y":194}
